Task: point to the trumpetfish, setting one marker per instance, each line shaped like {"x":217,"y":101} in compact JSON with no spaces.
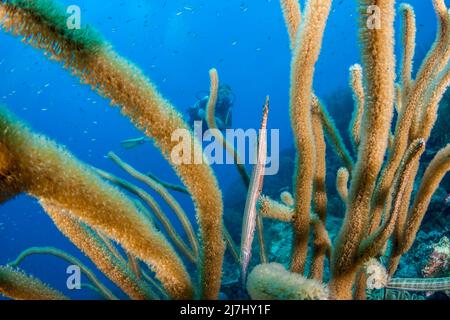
{"x":254,"y":192}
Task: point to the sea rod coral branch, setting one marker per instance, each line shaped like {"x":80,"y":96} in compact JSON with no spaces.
{"x":426,"y":126}
{"x":430,"y":115}
{"x":334,"y":138}
{"x":268,"y":208}
{"x":409,"y":46}
{"x":293,"y":17}
{"x":319,"y":192}
{"x":15,"y":284}
{"x":434,"y":174}
{"x":435,"y":62}
{"x":372,"y":245}
{"x":304,"y":59}
{"x":212,"y":125}
{"x":356,"y":83}
{"x":342,"y":178}
{"x":412,"y":109}
{"x":379,"y":64}
{"x":104,"y":291}
{"x":168,"y":185}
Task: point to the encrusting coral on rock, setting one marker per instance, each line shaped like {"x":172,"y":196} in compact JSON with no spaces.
{"x":273,"y":282}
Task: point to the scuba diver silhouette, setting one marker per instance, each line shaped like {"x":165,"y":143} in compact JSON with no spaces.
{"x":225,"y":101}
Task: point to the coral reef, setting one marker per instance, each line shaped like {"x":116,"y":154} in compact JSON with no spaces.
{"x":383,"y":189}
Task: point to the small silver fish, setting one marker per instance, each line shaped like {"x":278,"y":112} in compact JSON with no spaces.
{"x":133,"y":143}
{"x":447,"y":200}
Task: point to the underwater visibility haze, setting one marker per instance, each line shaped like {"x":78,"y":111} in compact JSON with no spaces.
{"x":227,"y":149}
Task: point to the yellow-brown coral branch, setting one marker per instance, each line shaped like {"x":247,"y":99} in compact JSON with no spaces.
{"x":334,"y":137}
{"x":373,"y":245}
{"x":271,"y":209}
{"x":168,"y":185}
{"x":429,"y":117}
{"x":434,"y":174}
{"x":231,"y":245}
{"x":293,"y":18}
{"x":262,"y":245}
{"x":321,"y":241}
{"x":304,"y":59}
{"x":104,"y":291}
{"x":379,"y":64}
{"x":319,"y":185}
{"x":155,"y":284}
{"x":211,"y":120}
{"x":342,"y":178}
{"x":398,"y":107}
{"x":435,"y":62}
{"x":408,"y":46}
{"x":287,"y":198}
{"x":322,"y":248}
{"x":356,"y":83}
{"x":412,"y":109}
{"x":16,"y":285}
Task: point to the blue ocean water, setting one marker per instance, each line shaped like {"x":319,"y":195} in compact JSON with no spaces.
{"x":175,"y":43}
